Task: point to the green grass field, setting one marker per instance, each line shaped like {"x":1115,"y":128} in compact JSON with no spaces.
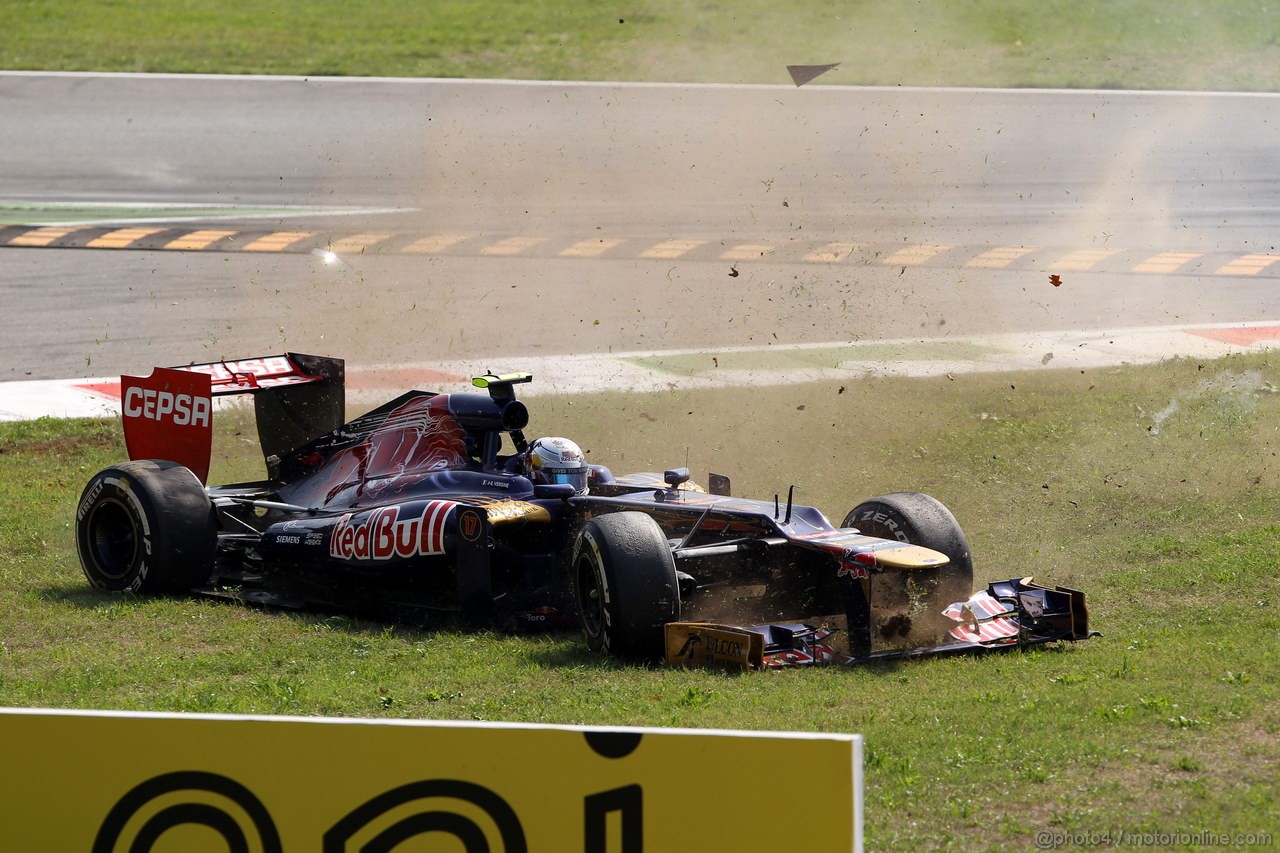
{"x":1141,"y":44}
{"x":1153,"y":489}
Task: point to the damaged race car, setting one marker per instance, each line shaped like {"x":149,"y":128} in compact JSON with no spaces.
{"x":437,"y":505}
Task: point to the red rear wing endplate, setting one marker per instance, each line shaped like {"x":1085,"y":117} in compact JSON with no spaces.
{"x":168,"y":415}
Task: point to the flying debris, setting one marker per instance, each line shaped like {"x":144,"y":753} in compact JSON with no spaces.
{"x":801,"y":74}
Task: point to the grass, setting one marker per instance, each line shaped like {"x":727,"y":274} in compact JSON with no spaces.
{"x":1153,"y":489}
{"x":1139,"y":44}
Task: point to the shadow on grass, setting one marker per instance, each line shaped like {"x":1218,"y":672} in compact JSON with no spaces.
{"x":560,"y":647}
{"x":555,"y":648}
{"x":85,"y":597}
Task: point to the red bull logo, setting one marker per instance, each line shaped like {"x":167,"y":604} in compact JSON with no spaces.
{"x":856,"y":564}
{"x":384,"y":535}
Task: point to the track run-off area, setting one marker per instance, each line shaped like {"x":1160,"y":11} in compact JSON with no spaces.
{"x":742,"y":366}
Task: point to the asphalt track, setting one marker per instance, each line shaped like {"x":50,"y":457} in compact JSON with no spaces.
{"x":152,"y":220}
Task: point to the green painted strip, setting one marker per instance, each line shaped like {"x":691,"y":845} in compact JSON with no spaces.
{"x":84,"y":213}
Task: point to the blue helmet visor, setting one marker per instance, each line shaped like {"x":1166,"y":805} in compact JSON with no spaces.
{"x":576,"y":477}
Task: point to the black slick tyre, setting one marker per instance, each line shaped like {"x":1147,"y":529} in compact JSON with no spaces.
{"x":624,"y":584}
{"x":146,"y":526}
{"x":902,"y":599}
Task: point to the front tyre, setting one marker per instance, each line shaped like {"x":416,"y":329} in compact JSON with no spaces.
{"x":146,"y":526}
{"x":624,"y":584}
{"x":903,"y":599}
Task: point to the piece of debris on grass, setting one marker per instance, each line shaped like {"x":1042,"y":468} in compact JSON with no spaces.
{"x":801,"y":74}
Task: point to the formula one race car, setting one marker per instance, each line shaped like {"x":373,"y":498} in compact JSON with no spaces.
{"x":437,"y":504}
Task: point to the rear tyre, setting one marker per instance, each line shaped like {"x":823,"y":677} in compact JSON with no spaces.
{"x":907,"y":605}
{"x":624,"y":584}
{"x":146,"y":526}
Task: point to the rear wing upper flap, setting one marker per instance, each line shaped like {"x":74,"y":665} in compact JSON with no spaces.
{"x":250,"y":375}
{"x":297,"y":397}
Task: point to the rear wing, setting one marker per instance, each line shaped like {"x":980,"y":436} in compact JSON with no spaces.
{"x":169,"y":414}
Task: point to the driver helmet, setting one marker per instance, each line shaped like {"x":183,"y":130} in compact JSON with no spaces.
{"x":557,"y":460}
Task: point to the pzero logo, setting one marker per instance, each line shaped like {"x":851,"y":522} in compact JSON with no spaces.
{"x":384,"y":535}
{"x":164,"y":406}
{"x":881,"y":518}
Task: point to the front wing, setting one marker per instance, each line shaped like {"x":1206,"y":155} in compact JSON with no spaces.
{"x":1007,"y":614}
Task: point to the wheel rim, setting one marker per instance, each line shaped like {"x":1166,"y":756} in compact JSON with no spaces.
{"x":112,"y":539}
{"x":590,"y":598}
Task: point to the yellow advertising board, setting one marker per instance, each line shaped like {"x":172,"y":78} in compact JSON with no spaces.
{"x":114,"y":782}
